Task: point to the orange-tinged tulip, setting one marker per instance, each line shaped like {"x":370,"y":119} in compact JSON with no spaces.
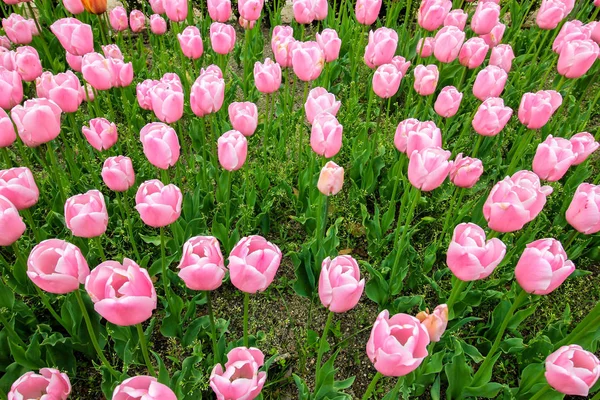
{"x":94,"y":6}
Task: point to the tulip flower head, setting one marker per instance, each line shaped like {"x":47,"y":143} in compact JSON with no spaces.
{"x":158,"y":204}
{"x":553,"y":158}
{"x":160,"y":144}
{"x":318,"y":101}
{"x":118,"y":174}
{"x":583,"y":213}
{"x":432,"y":13}
{"x":219,"y":10}
{"x":202,"y":266}
{"x":367,"y":11}
{"x":331,"y":179}
{"x":253,"y":263}
{"x":381,"y":47}
{"x":326,"y":135}
{"x":9,"y":217}
{"x":49,"y":383}
{"x":448,"y":43}
{"x":232,"y":149}
{"x":37,"y":121}
{"x":243,"y":117}
{"x":436,"y":322}
{"x":428,"y":168}
{"x":18,"y":186}
{"x":584,"y":145}
{"x":308,"y":60}
{"x":340,"y":286}
{"x":142,"y":387}
{"x":267,"y":76}
{"x":466,"y":171}
{"x":448,"y":102}
{"x":536,"y":109}
{"x":491,"y":117}
{"x":86,"y":214}
{"x":426,"y":79}
{"x":207,"y":94}
{"x":572,"y":370}
{"x":241,"y":378}
{"x":7,"y":130}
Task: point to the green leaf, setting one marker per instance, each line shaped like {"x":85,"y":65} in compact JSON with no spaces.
{"x":488,"y":391}
{"x":458,"y":373}
{"x":155,"y":240}
{"x":472,"y":352}
{"x":171,"y":326}
{"x":7,"y":297}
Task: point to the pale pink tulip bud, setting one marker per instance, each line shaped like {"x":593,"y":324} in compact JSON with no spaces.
{"x":330,"y":43}
{"x":571,"y":369}
{"x":98,"y":71}
{"x":49,"y":383}
{"x":222,"y":38}
{"x":319,"y":100}
{"x":112,"y":51}
{"x":340,"y":286}
{"x":490,"y":82}
{"x":159,"y":205}
{"x":381,"y":47}
{"x":401,"y":63}
{"x":202,"y":266}
{"x":331,"y":179}
{"x":143,"y":90}
{"x":326,"y":135}
{"x":584,"y":144}
{"x":367,"y":11}
{"x":536,"y":109}
{"x":473,"y":53}
{"x":466,"y":171}
{"x":428,"y":168}
{"x":37,"y":121}
{"x":118,"y":19}
{"x":282,"y":48}
{"x":432,"y":13}
{"x":18,"y":186}
{"x":11,"y":88}
{"x":425,"y":47}
{"x":243,"y":117}
{"x":502,"y":56}
{"x":241,"y":378}
{"x":74,"y":61}
{"x":7,"y":130}
{"x":191,"y":42}
{"x":74,"y":6}
{"x":161,"y":144}
{"x":583,"y":213}
{"x":491,"y":117}
{"x":176,"y":10}
{"x":494,"y":38}
{"x":158,"y":25}
{"x":307,"y":60}
{"x":426,"y":79}
{"x":386,"y":81}
{"x":167,"y":102}
{"x":456,"y":18}
{"x":64,"y":89}
{"x":551,"y":12}
{"x":74,"y":36}
{"x":267,"y":76}
{"x":571,"y":30}
{"x":448,"y":43}
{"x":86,"y":215}
{"x":232,"y":149}
{"x":304,"y":12}
{"x":27,"y":63}
{"x":17,"y":29}
{"x":448,"y":102}
{"x":553,"y":158}
{"x":158,"y":6}
{"x":423,"y":135}
{"x":486,"y":16}
{"x":253,"y":263}
{"x":122,"y":73}
{"x":118,"y":174}
{"x":436,"y":322}
{"x":250,"y":9}
{"x":144,"y":387}
{"x":219,"y":10}
{"x":207,"y":94}
{"x":577,"y":57}
{"x":403,"y":130}
{"x":137,"y":21}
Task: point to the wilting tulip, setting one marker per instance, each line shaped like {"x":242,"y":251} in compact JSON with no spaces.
{"x":340,"y":286}
{"x":307,"y":60}
{"x":122,"y":73}
{"x":118,"y":19}
{"x":143,"y":90}
{"x":448,"y":43}
{"x":158,"y":205}
{"x":326,"y":135}
{"x":11,"y":88}
{"x":17,"y":29}
{"x":142,"y":387}
{"x":64,"y":89}
{"x":367,"y":11}
{"x":137,"y":21}
{"x":404,"y":129}
{"x":381,"y":47}
{"x":331,"y":179}
{"x":553,"y":158}
{"x":122,"y":293}
{"x":202,"y":266}
{"x":176,"y":10}
{"x":37,"y":121}
{"x":241,"y":378}
{"x":571,"y":30}
{"x":456,"y":18}
{"x":543,"y":267}
{"x":330,"y":43}
{"x":95,"y":6}
{"x":448,"y":101}
{"x":490,"y":82}
{"x":112,"y":51}
{"x":584,"y":144}
{"x":11,"y":221}
{"x":74,"y":6}
{"x":74,"y":61}
{"x":18,"y":186}
{"x":207,"y":94}
{"x":426,"y":79}
{"x":318,"y":101}
{"x":423,"y":135}
{"x":158,"y":25}
{"x":267,"y":76}
{"x":551,"y":12}
{"x":191,"y":42}
{"x":515,"y":201}
{"x":470,"y":257}
{"x":253,"y":263}
{"x":250,"y":9}
{"x":386,"y":80}
{"x":486,"y":16}
{"x":466,"y":171}
{"x":50,"y":383}
{"x":491,"y":117}
{"x":27,"y":63}
{"x":536,"y":109}
{"x":583,"y":213}
{"x":74,"y":36}
{"x":167,"y":102}
{"x":161,"y":145}
{"x":222,"y":37}
{"x":425,"y":47}
{"x":577,"y":57}
{"x":243,"y":117}
{"x":502,"y":56}
{"x":232,"y":149}
{"x":101,"y":134}
{"x":98,"y":71}
{"x":7,"y":130}
{"x":494,"y":38}
{"x":118,"y":174}
{"x":436,"y":322}
{"x":473,"y":53}
{"x":219,"y":10}
{"x":86,"y":215}
{"x":428,"y":168}
{"x":572,"y":370}
{"x":397,"y":345}
{"x":282,"y":48}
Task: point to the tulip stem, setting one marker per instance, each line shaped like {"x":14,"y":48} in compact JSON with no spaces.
{"x":98,"y":240}
{"x":164,"y":265}
{"x":144,"y":347}
{"x":590,"y":321}
{"x":457,"y":288}
{"x":266,"y":127}
{"x":322,"y":344}
{"x":322,"y":221}
{"x":372,"y":386}
{"x":49,"y":307}
{"x":246,"y":301}
{"x":93,"y":338}
{"x":571,"y":238}
{"x":228,"y":201}
{"x":58,"y":175}
{"x":125,"y":208}
{"x":213,"y":328}
{"x":540,"y":394}
{"x":29,"y":218}
{"x":415,"y":197}
{"x":101,"y":23}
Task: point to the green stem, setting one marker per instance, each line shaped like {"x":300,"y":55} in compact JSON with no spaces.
{"x":142,"y":338}
{"x":228,"y":201}
{"x":570,"y":240}
{"x":322,"y":344}
{"x":266,"y":127}
{"x":58,"y":175}
{"x":540,"y":394}
{"x":415,"y":196}
{"x":102,"y":33}
{"x":213,"y":328}
{"x":125,"y":207}
{"x":246,"y":301}
{"x":29,"y":218}
{"x":576,"y":334}
{"x":372,"y":386}
{"x":457,"y":288}
{"x":164,"y":264}
{"x":49,"y":307}
{"x":398,"y":386}
{"x":98,"y":240}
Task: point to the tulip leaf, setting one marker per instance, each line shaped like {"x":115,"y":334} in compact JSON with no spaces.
{"x":7,"y":297}
{"x":488,"y":391}
{"x":458,"y":373}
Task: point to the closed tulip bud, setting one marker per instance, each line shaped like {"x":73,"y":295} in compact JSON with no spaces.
{"x":436,"y":322}
{"x":95,"y":6}
{"x":281,"y":32}
{"x":191,"y":42}
{"x":118,"y":174}
{"x":551,"y":12}
{"x":161,"y":145}
{"x":423,"y":135}
{"x":11,"y":221}
{"x":401,"y":63}
{"x":448,"y":102}
{"x":584,"y":144}
{"x":267,"y":76}
{"x":448,"y":42}
{"x":432,"y":13}
{"x":491,"y":117}
{"x":490,"y":82}
{"x":502,"y":56}
{"x":330,"y":43}
{"x":158,"y":6}
{"x":571,"y":30}
{"x":303,"y":11}
{"x":403,"y":130}
{"x":536,"y":109}
{"x":457,"y":18}
{"x":470,"y":257}
{"x":486,"y":16}
{"x":473,"y":52}
{"x":428,"y":168}
{"x":241,"y":378}
{"x":307,"y":60}
{"x":17,"y":29}
{"x":143,"y":90}
{"x":86,"y":214}
{"x":118,"y":19}
{"x":219,"y":10}
{"x":98,"y":71}
{"x":386,"y":81}
{"x":158,"y":205}
{"x":543,"y":267}
{"x":331,"y":179}
{"x":177,"y":10}
{"x":282,"y":44}
{"x":232,"y":149}
{"x":112,"y":51}
{"x":11,"y":88}
{"x":158,"y":25}
{"x":318,"y":101}
{"x":553,"y":158}
{"x":222,"y":37}
{"x":207,"y":94}
{"x":74,"y":61}
{"x":253,"y":263}
{"x":123,"y":294}
{"x":326,"y":135}
{"x":74,"y":6}
{"x":122,"y":73}
{"x":137,"y":21}
{"x":572,"y":370}
{"x":74,"y":36}
{"x":426,"y":79}
{"x":64,"y":89}
{"x":250,"y":9}
{"x":583,"y":213}
{"x":143,"y":387}
{"x":515,"y":201}
{"x":7,"y":130}
{"x":340,"y":286}
{"x":577,"y":57}
{"x":27,"y":63}
{"x":367,"y":11}
{"x":397,"y":345}
{"x":101,"y":134}
{"x":37,"y":121}
{"x":381,"y":47}
{"x":243,"y":117}
{"x":494,"y":38}
{"x":49,"y":383}
{"x":167,"y":102}
{"x":202,"y":266}
{"x":18,"y":186}
{"x":425,"y":47}
{"x":466,"y":171}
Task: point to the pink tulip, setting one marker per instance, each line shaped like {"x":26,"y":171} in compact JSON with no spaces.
{"x":330,"y":43}
{"x":432,"y":13}
{"x":243,"y":117}
{"x":123,"y":294}
{"x":142,"y":387}
{"x":98,"y":71}
{"x":426,"y":79}
{"x":397,"y":345}
{"x":17,"y":29}
{"x":244,"y":23}
{"x":456,"y":18}
{"x":572,"y":370}
{"x":502,"y":56}
{"x":536,"y":109}
{"x":425,"y":47}
{"x":491,"y":117}
{"x":101,"y":134}
{"x":11,"y":88}
{"x":74,"y":61}
{"x":18,"y":186}
{"x":158,"y":25}
{"x":307,"y":60}
{"x":222,"y":37}
{"x":583,"y":213}
{"x":494,"y":38}
{"x":253,"y":263}
{"x":191,"y":42}
{"x":515,"y":201}
{"x":74,"y":6}
{"x":49,"y":384}
{"x":490,"y":82}
{"x":448,"y":42}
{"x":250,"y":9}
{"x":112,"y":51}
{"x":367,"y":11}
{"x":27,"y":63}
{"x":436,"y":322}
{"x":267,"y":76}
{"x":486,"y":16}
{"x":281,"y":32}
{"x":401,"y":63}
{"x":326,"y":135}
{"x":86,"y":215}
{"x":597,"y":3}
{"x":64,"y":89}
{"x":331,"y":179}
{"x":207,"y":94}
{"x":37,"y":121}
{"x":403,"y":130}
{"x":137,"y":21}
{"x":577,"y":57}
{"x":423,"y":135}
{"x":428,"y":168}
{"x":232,"y":149}
{"x":466,"y":171}
{"x":340,"y":286}
{"x":74,"y":36}
{"x":118,"y":174}
{"x":595,"y":32}
{"x":219,"y":10}
{"x":87,"y":92}
{"x":122,"y":73}
{"x":448,"y":102}
{"x":381,"y":47}
{"x":161,"y":145}
{"x":282,"y":48}
{"x":176,"y":10}
{"x":584,"y":144}
{"x":5,"y":42}
{"x":202,"y":266}
{"x":473,"y":53}
{"x":318,"y":101}
{"x":470,"y":257}
{"x":158,"y":6}
{"x":7,"y":130}
{"x":553,"y":158}
{"x":571,"y":30}
{"x":158,"y":205}
{"x":304,"y":12}
{"x":143,"y":90}
{"x":241,"y":378}
{"x":386,"y":81}
{"x":551,"y":12}
{"x":167,"y":102}
{"x":11,"y":223}
{"x":118,"y":19}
